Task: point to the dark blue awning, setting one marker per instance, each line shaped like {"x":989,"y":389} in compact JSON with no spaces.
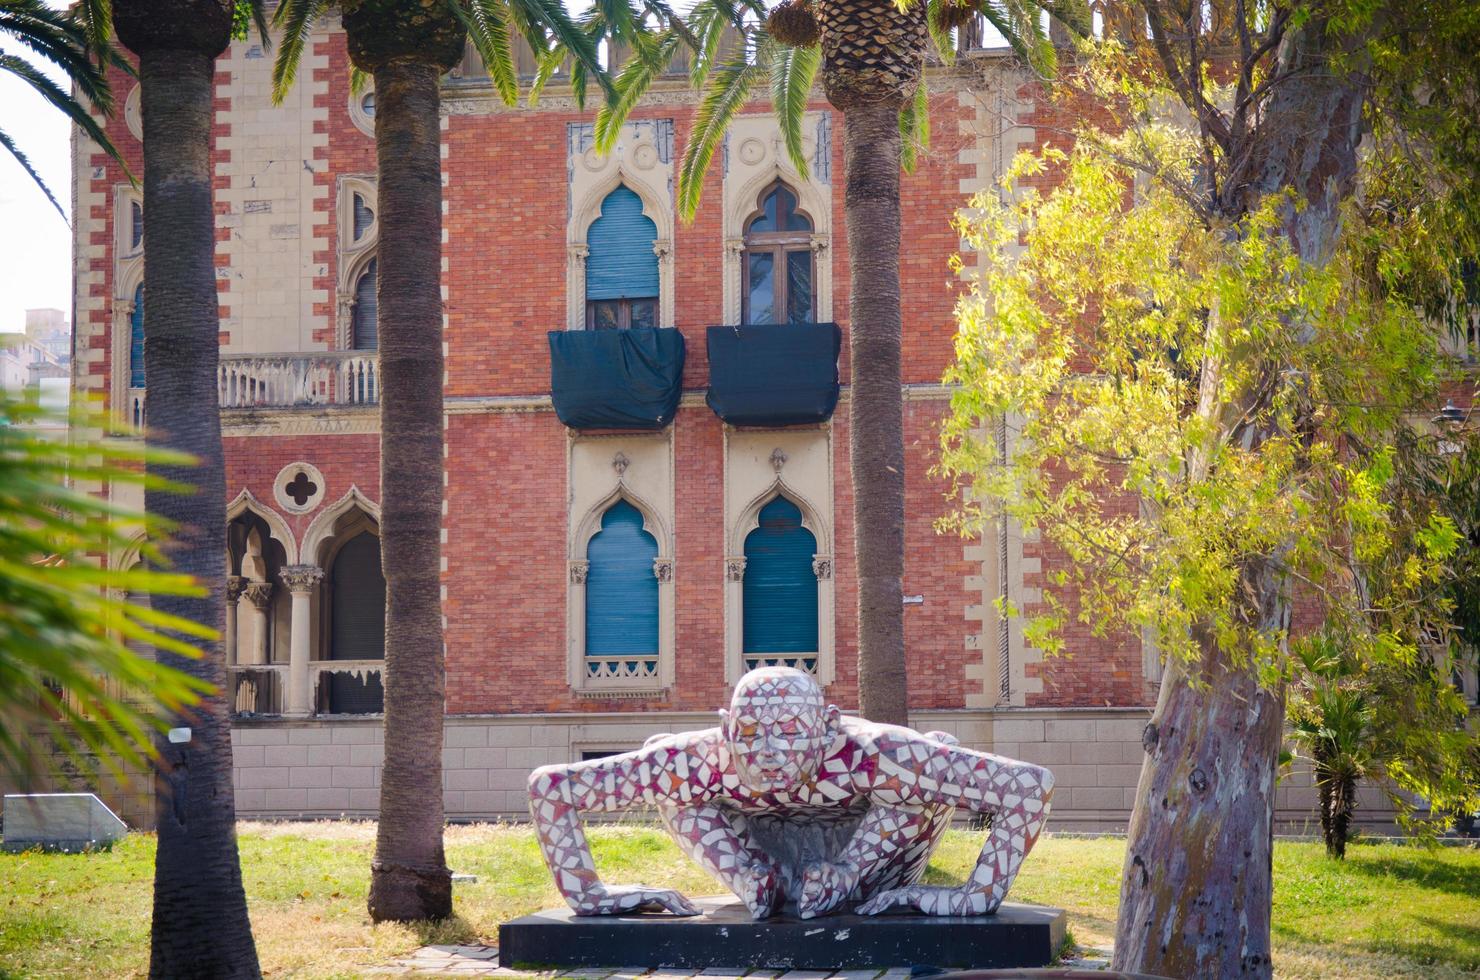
{"x":771,"y":375}
{"x":616,"y":379}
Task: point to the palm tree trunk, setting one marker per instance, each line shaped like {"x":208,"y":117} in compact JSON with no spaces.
{"x":200,"y":926}
{"x":871,"y":147}
{"x":409,"y":878}
{"x":1324,"y":791}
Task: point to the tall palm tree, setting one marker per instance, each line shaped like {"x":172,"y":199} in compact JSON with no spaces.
{"x":870,"y":55}
{"x":406,"y":47}
{"x":200,"y":925}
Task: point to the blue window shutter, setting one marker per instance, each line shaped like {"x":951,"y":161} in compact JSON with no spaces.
{"x":780,"y":590}
{"x":621,"y":263}
{"x":621,"y":589}
{"x":136,"y":341}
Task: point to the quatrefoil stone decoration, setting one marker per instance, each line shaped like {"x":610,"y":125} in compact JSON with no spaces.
{"x":299,"y":487}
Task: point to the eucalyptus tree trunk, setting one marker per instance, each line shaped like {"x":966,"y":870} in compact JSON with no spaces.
{"x":872,"y":60}
{"x":200,"y":925}
{"x":1197,"y":887}
{"x":407,"y":47}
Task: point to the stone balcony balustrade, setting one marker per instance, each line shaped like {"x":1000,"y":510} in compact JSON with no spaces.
{"x":314,"y":379}
{"x":298,"y":380}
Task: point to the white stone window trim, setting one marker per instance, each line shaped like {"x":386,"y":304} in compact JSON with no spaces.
{"x":354,"y":256}
{"x":290,"y":473}
{"x":124,"y":199}
{"x":278,"y":530}
{"x":822,"y":568}
{"x":128,"y":275}
{"x":351,"y":268}
{"x":133,"y":113}
{"x":655,"y":206}
{"x":362,"y":120}
{"x":364,"y":185}
{"x":577,"y":566}
{"x":741,"y":200}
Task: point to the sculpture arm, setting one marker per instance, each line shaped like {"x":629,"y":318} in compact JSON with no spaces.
{"x":667,"y":771}
{"x":1015,"y":794}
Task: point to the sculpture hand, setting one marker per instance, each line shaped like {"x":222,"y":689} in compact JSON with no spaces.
{"x":932,"y":901}
{"x":760,"y":889}
{"x":616,"y":899}
{"x":825,"y":886}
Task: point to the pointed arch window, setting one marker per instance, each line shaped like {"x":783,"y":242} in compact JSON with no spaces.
{"x":777,"y":270}
{"x":621,"y":595}
{"x":364,"y":324}
{"x":780,"y":590}
{"x":136,"y":340}
{"x":356,"y":626}
{"x":622,"y":268}
{"x":136,"y":225}
{"x":364,"y":217}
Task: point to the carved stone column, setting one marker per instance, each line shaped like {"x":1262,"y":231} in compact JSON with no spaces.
{"x":575,"y":277}
{"x":259,"y":594}
{"x":301,"y":581}
{"x":575,"y":621}
{"x":234,"y":586}
{"x":734,"y":617}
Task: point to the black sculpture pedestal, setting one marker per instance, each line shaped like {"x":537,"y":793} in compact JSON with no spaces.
{"x":726,"y":936}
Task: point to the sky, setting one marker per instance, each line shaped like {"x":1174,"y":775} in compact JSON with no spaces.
{"x":35,"y":241}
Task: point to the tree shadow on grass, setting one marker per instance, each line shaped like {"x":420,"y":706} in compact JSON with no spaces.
{"x":1451,"y":943}
{"x":1423,"y":869}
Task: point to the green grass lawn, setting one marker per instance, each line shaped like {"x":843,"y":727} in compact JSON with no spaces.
{"x":1386,"y":912}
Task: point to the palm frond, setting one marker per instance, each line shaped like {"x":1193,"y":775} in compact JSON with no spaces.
{"x":580,"y":41}
{"x":68,"y":667}
{"x":258,"y":11}
{"x":25,"y":162}
{"x":940,"y":36}
{"x":793,"y":71}
{"x":96,"y":18}
{"x":669,"y":17}
{"x":1018,"y":23}
{"x":631,"y":83}
{"x":294,"y":19}
{"x":1075,"y":15}
{"x":67,"y":41}
{"x":914,"y":128}
{"x":550,"y":63}
{"x":709,"y":21}
{"x":487,"y":23}
{"x":729,"y":88}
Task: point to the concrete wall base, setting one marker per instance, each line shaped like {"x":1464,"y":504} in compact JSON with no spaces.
{"x":318,"y":769}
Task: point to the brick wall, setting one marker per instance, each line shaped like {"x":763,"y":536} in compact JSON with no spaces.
{"x":506,"y":208}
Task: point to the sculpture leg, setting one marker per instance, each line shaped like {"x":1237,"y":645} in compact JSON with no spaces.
{"x":891,"y":844}
{"x":1023,"y":793}
{"x":707,"y":834}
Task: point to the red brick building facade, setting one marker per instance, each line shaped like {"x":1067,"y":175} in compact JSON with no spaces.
{"x":527,"y":495}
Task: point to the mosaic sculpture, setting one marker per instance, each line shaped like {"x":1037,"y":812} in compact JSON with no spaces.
{"x":790,"y":801}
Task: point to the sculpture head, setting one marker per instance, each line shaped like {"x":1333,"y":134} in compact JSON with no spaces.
{"x":778,"y":728}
